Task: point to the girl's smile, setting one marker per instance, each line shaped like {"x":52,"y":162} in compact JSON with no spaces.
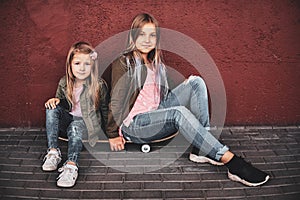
{"x":146,"y":41}
{"x":81,"y":66}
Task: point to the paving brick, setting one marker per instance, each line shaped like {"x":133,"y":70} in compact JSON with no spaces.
{"x":10,"y":162}
{"x":262,"y":191}
{"x":11,"y":184}
{"x":166,"y":170}
{"x":214,"y":177}
{"x":203,"y":185}
{"x":280,"y":159}
{"x":286,"y":173}
{"x":293,"y":165}
{"x":163,"y":185}
{"x":226,"y":193}
{"x":5,"y":176}
{"x":126,"y":186}
{"x":91,"y":186}
{"x":28,"y":176}
{"x":101,"y":195}
{"x":269,"y":147}
{"x":181,"y":177}
{"x":278,"y":197}
{"x":291,"y":188}
{"x":93,"y":170}
{"x":9,"y":143}
{"x":185,"y":194}
{"x":40,"y":185}
{"x":60,"y":194}
{"x":200,"y":168}
{"x":267,"y":153}
{"x":143,"y":177}
{"x":142,"y":194}
{"x":5,"y":168}
{"x":20,"y":192}
{"x":100,"y":178}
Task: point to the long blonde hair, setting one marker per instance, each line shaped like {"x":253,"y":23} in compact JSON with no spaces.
{"x":92,"y":80}
{"x":154,"y":56}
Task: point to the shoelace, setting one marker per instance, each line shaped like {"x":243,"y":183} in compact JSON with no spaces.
{"x":52,"y":158}
{"x":67,"y":172}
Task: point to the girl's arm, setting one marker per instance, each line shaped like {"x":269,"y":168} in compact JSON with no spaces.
{"x":119,"y":92}
{"x":61,"y":93}
{"x":104,"y":100}
{"x":53,"y":102}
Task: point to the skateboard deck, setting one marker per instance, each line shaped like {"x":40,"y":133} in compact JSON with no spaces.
{"x":145,"y":147}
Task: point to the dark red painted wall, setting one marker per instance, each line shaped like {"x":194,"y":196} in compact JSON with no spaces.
{"x":255,"y":44}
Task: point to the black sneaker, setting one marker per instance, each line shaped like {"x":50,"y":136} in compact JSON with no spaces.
{"x":196,"y":157}
{"x":241,"y":171}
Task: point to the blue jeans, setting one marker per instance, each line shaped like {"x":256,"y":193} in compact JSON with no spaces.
{"x":185,"y":110}
{"x":60,"y":122}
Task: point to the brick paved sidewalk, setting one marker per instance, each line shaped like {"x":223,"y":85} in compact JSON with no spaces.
{"x":273,"y":149}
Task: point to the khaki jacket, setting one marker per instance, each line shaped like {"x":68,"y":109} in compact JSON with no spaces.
{"x":95,"y":119}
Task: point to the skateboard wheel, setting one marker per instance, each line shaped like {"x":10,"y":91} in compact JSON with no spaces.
{"x":145,"y":148}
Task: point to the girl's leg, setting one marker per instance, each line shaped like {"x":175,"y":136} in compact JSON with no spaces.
{"x":159,"y":123}
{"x":75,"y":131}
{"x":192,"y":94}
{"x":57,"y":120}
{"x":69,"y":172}
{"x":163,"y":122}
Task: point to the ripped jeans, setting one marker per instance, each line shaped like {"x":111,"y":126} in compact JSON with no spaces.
{"x":60,"y":123}
{"x":185,"y":109}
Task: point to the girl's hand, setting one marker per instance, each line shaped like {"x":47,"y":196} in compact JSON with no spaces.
{"x":51,"y":103}
{"x":117,"y":144}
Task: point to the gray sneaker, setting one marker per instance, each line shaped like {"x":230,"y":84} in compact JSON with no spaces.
{"x":68,"y":176}
{"x":52,"y":159}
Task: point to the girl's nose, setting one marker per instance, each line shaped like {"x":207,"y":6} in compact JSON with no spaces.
{"x":147,"y":39}
{"x":82,"y":67}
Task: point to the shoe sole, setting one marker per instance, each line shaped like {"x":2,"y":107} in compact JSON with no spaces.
{"x":65,"y":186}
{"x":48,"y":169}
{"x":203,"y":159}
{"x":238,"y":179}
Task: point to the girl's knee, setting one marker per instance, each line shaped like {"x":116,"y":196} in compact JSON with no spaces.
{"x":53,"y":112}
{"x":74,"y":132}
{"x":197,"y":82}
{"x":196,"y":79}
{"x":180,"y":111}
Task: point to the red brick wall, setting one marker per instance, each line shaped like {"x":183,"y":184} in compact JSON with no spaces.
{"x":255,"y":44}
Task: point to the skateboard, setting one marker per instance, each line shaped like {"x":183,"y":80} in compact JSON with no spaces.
{"x":145,"y":147}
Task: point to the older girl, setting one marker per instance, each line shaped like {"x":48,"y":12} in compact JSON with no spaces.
{"x":142,"y":108}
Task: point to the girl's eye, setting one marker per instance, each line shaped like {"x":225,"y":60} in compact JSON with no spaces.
{"x":88,"y":63}
{"x":142,"y":34}
{"x":76,"y":63}
{"x":153,"y":35}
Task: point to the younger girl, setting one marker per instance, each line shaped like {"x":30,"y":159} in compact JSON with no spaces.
{"x":79,"y":110}
{"x":142,"y":108}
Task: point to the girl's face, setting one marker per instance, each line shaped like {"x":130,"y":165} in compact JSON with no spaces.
{"x":81,"y":66}
{"x":146,"y":40}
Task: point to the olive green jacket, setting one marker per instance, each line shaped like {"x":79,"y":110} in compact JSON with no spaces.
{"x":124,"y":92}
{"x":95,"y":119}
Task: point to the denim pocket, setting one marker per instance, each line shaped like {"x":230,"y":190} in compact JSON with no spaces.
{"x":142,"y":120}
